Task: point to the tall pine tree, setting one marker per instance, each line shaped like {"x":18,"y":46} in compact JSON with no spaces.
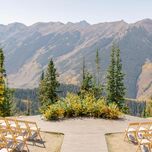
{"x":119,"y":80}
{"x":86,"y":84}
{"x":111,"y":78}
{"x":115,"y":79}
{"x":98,"y":87}
{"x":6,"y":94}
{"x":48,"y":87}
{"x":97,"y":67}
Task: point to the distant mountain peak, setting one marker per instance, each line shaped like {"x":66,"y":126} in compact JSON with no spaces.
{"x":83,"y":23}
{"x":146,"y":23}
{"x":16,"y":24}
{"x":147,"y":20}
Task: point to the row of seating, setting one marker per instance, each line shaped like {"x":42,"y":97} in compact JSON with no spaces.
{"x":15,"y":133}
{"x":140,"y":133}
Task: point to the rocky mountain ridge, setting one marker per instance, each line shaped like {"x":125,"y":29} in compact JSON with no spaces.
{"x":29,"y":48}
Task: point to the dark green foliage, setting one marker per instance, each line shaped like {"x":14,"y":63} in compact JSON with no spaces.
{"x":5,"y":93}
{"x":22,"y":95}
{"x":119,"y":80}
{"x":97,"y":67}
{"x":115,"y":79}
{"x":48,"y":87}
{"x":87,"y":81}
{"x":42,"y":76}
{"x":2,"y":69}
{"x":65,"y":88}
{"x":111,"y":78}
{"x":88,"y":84}
{"x":8,"y":102}
{"x":137,"y":108}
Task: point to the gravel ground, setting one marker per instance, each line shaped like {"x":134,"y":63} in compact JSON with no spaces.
{"x":84,"y":134}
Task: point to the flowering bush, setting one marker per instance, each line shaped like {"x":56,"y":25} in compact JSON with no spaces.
{"x":54,"y":112}
{"x":73,"y":106}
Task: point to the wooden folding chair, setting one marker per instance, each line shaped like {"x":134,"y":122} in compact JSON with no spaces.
{"x":34,"y":130}
{"x":5,"y":144}
{"x":12,"y":122}
{"x":14,"y":126}
{"x":14,"y":137}
{"x":131,"y":129}
{"x":145,"y":141}
{"x":3,"y":123}
{"x":144,"y":127}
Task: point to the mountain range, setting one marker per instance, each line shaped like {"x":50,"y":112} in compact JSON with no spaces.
{"x":29,"y":48}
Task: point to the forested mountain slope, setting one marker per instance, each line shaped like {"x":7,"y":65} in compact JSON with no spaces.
{"x":28,"y":49}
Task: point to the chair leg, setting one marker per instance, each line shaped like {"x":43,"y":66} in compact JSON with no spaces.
{"x":40,"y":136}
{"x":149,"y":146}
{"x":26,"y":146}
{"x":125,"y":136}
{"x":138,"y":148}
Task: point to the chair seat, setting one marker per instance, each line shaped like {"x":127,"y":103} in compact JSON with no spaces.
{"x":23,"y":133}
{"x":3,"y":124}
{"x":131,"y":130}
{"x":20,"y":138}
{"x":145,"y":141}
{"x":142,"y":129}
{"x":5,"y":150}
{"x":13,"y":125}
{"x":9,"y":136}
{"x":23,"y":127}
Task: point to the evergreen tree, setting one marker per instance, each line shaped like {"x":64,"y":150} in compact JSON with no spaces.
{"x":119,"y":80}
{"x":111,"y":78}
{"x":42,"y":76}
{"x":83,"y":70}
{"x":115,"y":79}
{"x":98,"y":87}
{"x":97,"y":67}
{"x":48,"y":87}
{"x":88,"y":85}
{"x":87,"y":81}
{"x":6,"y":94}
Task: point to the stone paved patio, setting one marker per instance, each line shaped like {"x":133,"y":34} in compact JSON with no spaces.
{"x":84,"y":134}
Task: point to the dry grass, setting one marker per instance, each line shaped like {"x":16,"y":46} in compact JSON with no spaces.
{"x":116,"y":143}
{"x":52,"y":142}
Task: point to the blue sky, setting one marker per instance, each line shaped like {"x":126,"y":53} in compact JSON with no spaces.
{"x":93,"y":11}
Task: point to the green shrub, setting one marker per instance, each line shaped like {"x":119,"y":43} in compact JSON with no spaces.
{"x":148,"y":112}
{"x":54,"y":112}
{"x":74,"y":106}
{"x":112,"y":111}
